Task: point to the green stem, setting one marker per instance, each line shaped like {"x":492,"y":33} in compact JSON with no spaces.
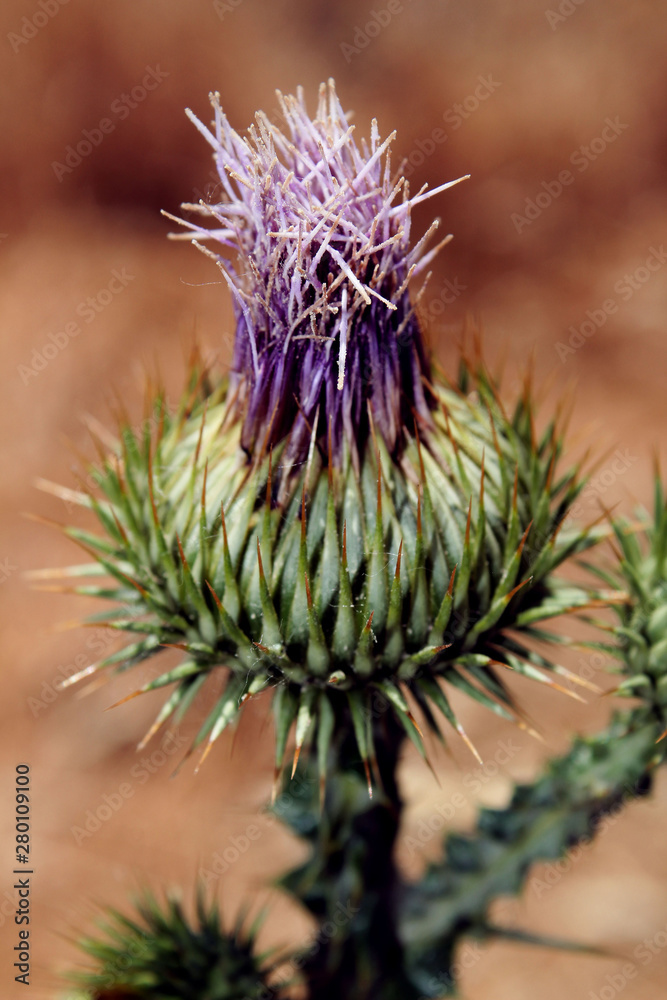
{"x":350,"y":883}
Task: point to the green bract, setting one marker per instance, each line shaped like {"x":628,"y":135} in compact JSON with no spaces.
{"x":337,"y":586}
{"x":641,"y":633}
{"x":163,"y":954}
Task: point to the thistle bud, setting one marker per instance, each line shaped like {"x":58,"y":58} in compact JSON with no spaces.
{"x":332,"y":522}
{"x":162,"y":953}
{"x":641,"y":634}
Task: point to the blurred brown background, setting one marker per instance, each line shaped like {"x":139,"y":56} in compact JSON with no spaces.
{"x":557,"y":109}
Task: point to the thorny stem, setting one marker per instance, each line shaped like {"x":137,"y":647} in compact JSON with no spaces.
{"x":350,"y":883}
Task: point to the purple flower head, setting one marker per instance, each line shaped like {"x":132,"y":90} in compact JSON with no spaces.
{"x":326,"y":334}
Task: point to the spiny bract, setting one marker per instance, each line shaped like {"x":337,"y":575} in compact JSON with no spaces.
{"x":641,"y":633}
{"x":164,"y":954}
{"x":336,"y":588}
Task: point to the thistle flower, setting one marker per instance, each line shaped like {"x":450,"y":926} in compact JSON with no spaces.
{"x":383,"y":537}
{"x":326,"y":333}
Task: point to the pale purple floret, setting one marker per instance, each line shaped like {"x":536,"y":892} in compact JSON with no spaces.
{"x":320,"y":231}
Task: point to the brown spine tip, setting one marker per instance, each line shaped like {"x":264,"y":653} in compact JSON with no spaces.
{"x":122,"y":529}
{"x":467,"y":538}
{"x":135,"y":584}
{"x":397,"y":574}
{"x":224,"y":526}
{"x":468,"y":742}
{"x":297,"y":754}
{"x":207,"y":750}
{"x":518,"y":587}
{"x":523,"y":539}
{"x":450,"y":589}
{"x":414,"y":723}
{"x":182,"y":553}
{"x":275,"y":785}
{"x":128,"y":697}
{"x":369,"y":782}
{"x":150,"y":734}
{"x":215,"y":596}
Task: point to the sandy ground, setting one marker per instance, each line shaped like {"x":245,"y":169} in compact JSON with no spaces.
{"x":516,"y":98}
